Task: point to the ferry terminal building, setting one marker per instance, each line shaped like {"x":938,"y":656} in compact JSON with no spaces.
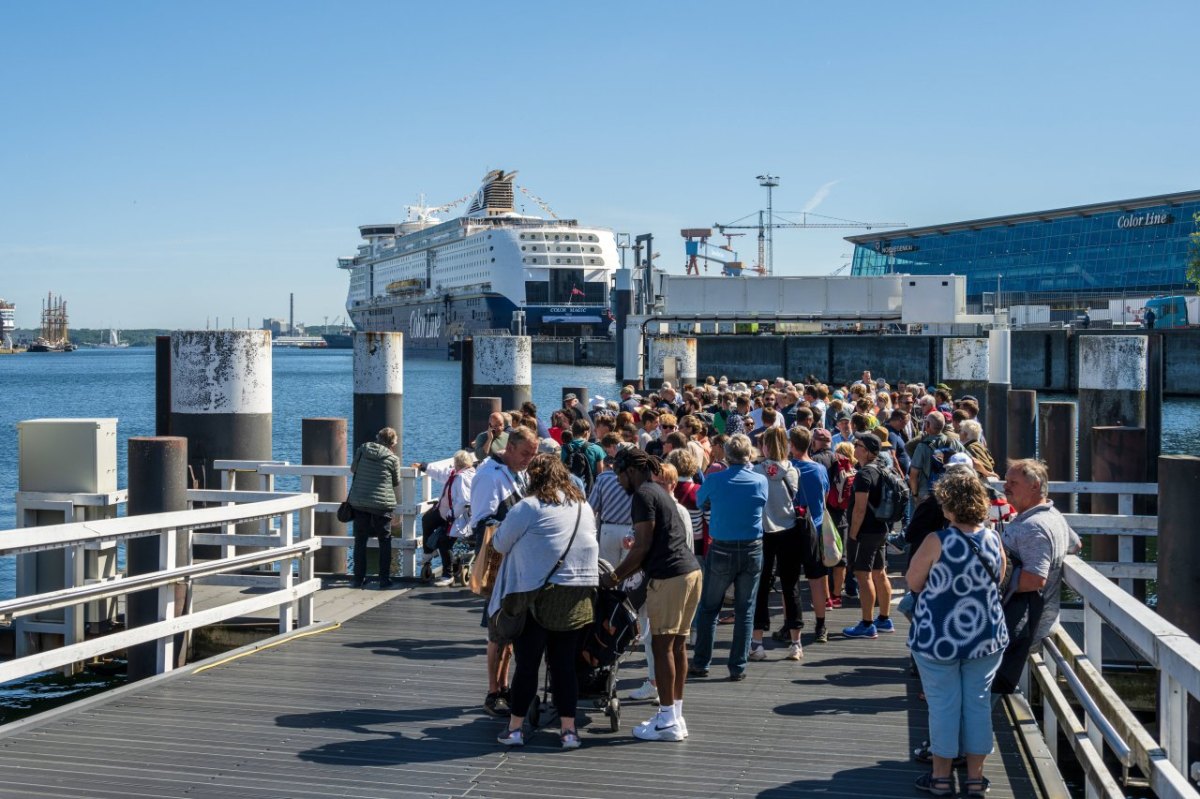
{"x":1069,"y":258}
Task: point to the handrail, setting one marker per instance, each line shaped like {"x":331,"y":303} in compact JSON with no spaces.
{"x":57,"y":536}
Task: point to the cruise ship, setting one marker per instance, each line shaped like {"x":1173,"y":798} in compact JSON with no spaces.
{"x":8,"y":323}
{"x":438,"y":281}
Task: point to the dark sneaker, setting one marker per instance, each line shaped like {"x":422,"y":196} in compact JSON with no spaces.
{"x":737,"y":677}
{"x":864,"y":629}
{"x":385,"y":583}
{"x":495,"y":705}
{"x":355,"y":582}
{"x":822,"y":636}
{"x":696,"y":671}
{"x":884,"y":625}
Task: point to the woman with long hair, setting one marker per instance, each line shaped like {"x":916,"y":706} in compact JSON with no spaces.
{"x":548,"y":540}
{"x":779,"y":517}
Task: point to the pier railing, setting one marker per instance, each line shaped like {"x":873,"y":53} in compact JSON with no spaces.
{"x":292,"y":555}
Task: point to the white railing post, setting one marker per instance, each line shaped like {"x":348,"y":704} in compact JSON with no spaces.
{"x":1125,"y":542}
{"x":1049,"y":720}
{"x":1093,"y":632}
{"x":165,"y":645}
{"x":307,"y":560}
{"x":1173,"y":720}
{"x":286,"y":581}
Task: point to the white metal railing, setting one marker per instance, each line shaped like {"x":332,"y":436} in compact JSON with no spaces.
{"x":1063,"y":670}
{"x":294,"y":583}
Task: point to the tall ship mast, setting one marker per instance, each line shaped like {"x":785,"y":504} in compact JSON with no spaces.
{"x":55,"y":327}
{"x":493,"y":268}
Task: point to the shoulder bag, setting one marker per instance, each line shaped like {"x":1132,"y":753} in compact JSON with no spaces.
{"x":508,"y":622}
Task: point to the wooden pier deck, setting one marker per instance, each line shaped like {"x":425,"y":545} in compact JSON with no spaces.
{"x":387,"y":705}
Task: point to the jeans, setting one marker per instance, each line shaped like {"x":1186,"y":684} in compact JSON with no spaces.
{"x":960,"y":707}
{"x":737,"y":563}
{"x":372,"y":525}
{"x":560,"y":649}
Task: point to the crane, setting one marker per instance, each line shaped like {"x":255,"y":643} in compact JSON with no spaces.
{"x":763,"y":226}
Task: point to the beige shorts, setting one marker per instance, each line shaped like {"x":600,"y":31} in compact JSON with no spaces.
{"x":671,"y":603}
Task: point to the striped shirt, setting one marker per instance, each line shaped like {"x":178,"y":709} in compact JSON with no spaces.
{"x":610,"y":502}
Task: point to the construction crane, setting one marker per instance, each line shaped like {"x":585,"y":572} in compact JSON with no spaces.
{"x":764,"y":266}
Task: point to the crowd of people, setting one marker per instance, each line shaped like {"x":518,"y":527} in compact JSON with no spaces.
{"x":708,"y":493}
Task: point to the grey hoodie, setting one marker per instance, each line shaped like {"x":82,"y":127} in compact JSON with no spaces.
{"x":783,"y":481}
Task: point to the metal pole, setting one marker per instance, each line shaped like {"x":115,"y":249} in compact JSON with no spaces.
{"x":157,"y":484}
{"x":162,"y":385}
{"x":1022,"y":425}
{"x":323,"y":443}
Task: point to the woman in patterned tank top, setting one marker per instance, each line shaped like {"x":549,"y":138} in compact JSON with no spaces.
{"x":958,"y":634}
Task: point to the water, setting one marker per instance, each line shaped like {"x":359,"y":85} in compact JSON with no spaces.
{"x":307,"y":383}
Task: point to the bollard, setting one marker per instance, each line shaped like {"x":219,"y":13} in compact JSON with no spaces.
{"x":162,"y":385}
{"x":965,"y":368}
{"x":378,"y":386}
{"x":1112,"y":391}
{"x":1022,"y":426}
{"x":323,"y":443}
{"x":631,"y":354}
{"x":478,"y":411}
{"x":999,"y":383}
{"x":680,"y":348}
{"x":221,"y":403}
{"x":623,"y":307}
{"x":1178,"y":554}
{"x":503,"y":367}
{"x":1118,"y":456}
{"x":157,"y":484}
{"x":1057,"y":447}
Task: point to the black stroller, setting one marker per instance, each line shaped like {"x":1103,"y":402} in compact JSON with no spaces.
{"x":600,"y":651}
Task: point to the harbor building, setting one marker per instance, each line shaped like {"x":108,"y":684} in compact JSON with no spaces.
{"x":1068,"y":258}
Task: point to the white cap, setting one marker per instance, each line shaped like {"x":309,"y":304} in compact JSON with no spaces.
{"x":597,"y":402}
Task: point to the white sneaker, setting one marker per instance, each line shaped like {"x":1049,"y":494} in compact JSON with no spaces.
{"x":758,"y":653}
{"x":795,"y":652}
{"x":647,"y":691}
{"x":682,"y":726}
{"x":659,"y":729}
{"x":443,"y":582}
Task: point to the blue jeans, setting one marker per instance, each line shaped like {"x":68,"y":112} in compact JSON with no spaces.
{"x":737,"y":563}
{"x":960,"y":707}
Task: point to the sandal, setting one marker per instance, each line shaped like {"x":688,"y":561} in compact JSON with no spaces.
{"x":937,"y":786}
{"x":922,"y":754}
{"x":976,"y":788}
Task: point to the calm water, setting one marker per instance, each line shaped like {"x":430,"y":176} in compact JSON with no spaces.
{"x":308,"y":383}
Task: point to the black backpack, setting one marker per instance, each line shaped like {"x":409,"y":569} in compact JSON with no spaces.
{"x":579,"y":465}
{"x":893,"y":497}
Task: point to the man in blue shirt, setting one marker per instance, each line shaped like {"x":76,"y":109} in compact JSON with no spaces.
{"x":736,"y":497}
{"x":814,"y":485}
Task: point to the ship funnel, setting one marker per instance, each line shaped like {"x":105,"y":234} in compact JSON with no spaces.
{"x":495,"y":196}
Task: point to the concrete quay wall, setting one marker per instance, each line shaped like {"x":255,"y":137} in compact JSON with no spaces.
{"x":575,"y":352}
{"x":1042,"y":360}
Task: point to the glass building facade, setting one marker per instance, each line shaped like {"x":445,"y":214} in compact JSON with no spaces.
{"x":1064,"y":258}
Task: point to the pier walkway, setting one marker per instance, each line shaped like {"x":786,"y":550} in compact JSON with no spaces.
{"x":387,"y":705}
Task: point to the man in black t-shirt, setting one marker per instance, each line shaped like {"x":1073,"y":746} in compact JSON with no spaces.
{"x":662,"y":547}
{"x":866,"y":542}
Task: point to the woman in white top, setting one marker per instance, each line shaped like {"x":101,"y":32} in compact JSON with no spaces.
{"x":453,"y":508}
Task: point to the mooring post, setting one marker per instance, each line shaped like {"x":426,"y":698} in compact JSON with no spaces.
{"x":1178,"y":587}
{"x":221,"y":403}
{"x":323,"y":443}
{"x":1022,"y":426}
{"x":999,"y":384}
{"x":162,"y":385}
{"x":1112,"y":391}
{"x":1057,"y":447}
{"x":965,"y":369}
{"x":1118,"y":456}
{"x":503,"y":367}
{"x":378,"y":386}
{"x":157,"y":484}
{"x":623,"y":302}
{"x":682,"y":351}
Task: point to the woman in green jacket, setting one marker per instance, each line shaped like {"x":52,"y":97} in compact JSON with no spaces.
{"x":376,"y":472}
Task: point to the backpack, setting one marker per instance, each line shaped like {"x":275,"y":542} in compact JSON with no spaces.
{"x":842,"y":486}
{"x":941,"y":455}
{"x":579,"y":465}
{"x":893,"y":497}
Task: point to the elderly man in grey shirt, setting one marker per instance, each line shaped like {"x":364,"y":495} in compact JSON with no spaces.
{"x":1039,"y":539}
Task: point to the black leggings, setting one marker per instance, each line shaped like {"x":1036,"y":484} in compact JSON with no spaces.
{"x":444,"y":544}
{"x":560,"y":649}
{"x":782,"y":549}
{"x":372,"y":525}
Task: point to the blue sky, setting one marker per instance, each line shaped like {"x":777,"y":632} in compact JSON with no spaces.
{"x":162,"y":163}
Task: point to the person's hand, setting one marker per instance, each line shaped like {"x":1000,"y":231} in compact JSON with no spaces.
{"x":416,"y":465}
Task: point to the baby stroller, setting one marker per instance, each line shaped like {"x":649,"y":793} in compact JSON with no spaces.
{"x":601,"y":648}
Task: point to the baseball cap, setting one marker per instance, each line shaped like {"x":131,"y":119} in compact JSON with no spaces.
{"x":960,"y":459}
{"x":598,"y":402}
{"x":569,"y":397}
{"x":870,"y":443}
{"x":822,"y":434}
